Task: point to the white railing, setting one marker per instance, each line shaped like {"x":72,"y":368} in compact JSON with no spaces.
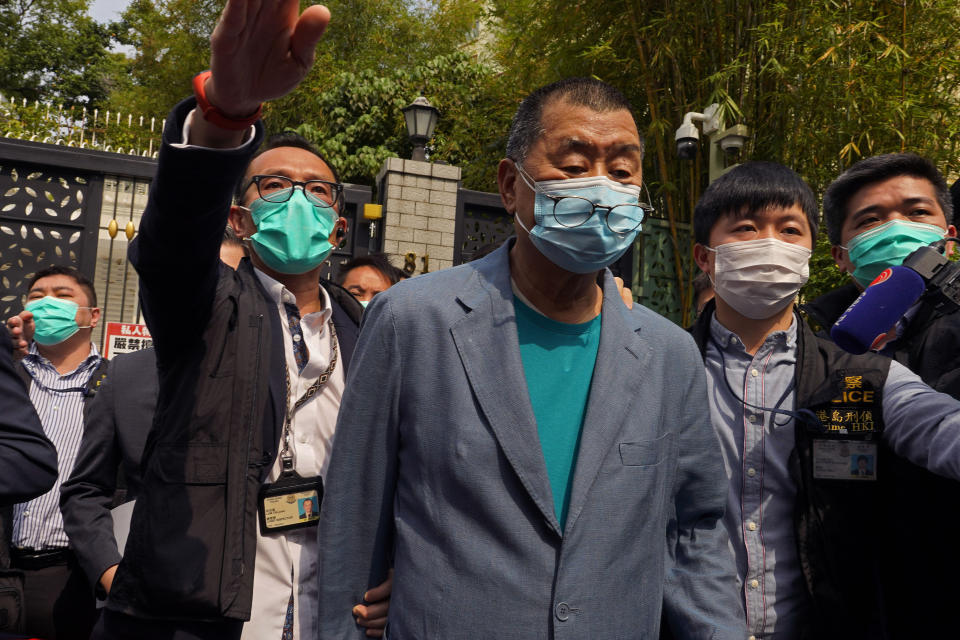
{"x":101,"y":130}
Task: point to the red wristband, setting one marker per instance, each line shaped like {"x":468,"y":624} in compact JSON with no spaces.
{"x":212,"y":114}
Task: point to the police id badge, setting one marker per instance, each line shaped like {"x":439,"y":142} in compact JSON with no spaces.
{"x":847,"y":448}
{"x":292,"y":502}
{"x":844,"y":460}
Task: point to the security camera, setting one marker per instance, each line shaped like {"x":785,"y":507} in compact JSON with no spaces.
{"x":687,"y":148}
{"x":733,"y":139}
{"x":688,"y":140}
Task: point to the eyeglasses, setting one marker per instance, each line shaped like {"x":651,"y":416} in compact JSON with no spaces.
{"x":572,"y":211}
{"x":320,"y":193}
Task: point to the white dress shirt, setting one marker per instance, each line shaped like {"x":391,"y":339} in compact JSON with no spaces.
{"x":288,"y":561}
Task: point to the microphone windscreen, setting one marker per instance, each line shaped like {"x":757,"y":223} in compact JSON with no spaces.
{"x":877,"y":309}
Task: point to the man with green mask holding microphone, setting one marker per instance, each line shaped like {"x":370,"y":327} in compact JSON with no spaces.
{"x":62,"y":369}
{"x":877,"y":213}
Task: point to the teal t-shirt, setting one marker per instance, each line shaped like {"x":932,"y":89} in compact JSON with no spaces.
{"x":558,"y":361}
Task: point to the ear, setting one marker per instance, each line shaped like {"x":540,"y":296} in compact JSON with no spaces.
{"x":339,"y":232}
{"x":94,"y":317}
{"x":241,"y":221}
{"x":703,"y":258}
{"x":506,"y":183}
{"x":840,"y":257}
{"x":951,"y":231}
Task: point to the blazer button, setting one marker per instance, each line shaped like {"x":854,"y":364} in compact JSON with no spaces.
{"x":563,"y":611}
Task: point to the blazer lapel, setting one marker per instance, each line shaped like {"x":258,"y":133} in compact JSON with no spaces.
{"x":613,"y":392}
{"x":486,"y":338}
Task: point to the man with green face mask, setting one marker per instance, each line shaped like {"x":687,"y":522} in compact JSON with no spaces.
{"x":877,"y":213}
{"x":62,"y":369}
{"x":252,"y":363}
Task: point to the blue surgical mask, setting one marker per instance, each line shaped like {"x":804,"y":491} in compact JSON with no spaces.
{"x":888,"y":245}
{"x":55,"y":319}
{"x":570,"y":233}
{"x":292,"y":236}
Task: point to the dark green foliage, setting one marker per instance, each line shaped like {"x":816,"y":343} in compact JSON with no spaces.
{"x":820,"y":83}
{"x":52,"y":50}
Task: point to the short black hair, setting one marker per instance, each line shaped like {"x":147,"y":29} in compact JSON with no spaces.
{"x":877,"y":169}
{"x":285,"y":139}
{"x":751,"y":187}
{"x":64,"y":270}
{"x":378,"y":261}
{"x":527,"y":126}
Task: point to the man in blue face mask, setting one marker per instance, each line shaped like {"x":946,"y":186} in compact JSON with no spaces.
{"x":552,"y":460}
{"x":878,"y":212}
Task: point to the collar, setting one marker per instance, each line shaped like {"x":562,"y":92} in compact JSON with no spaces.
{"x":34,"y":360}
{"x":281,"y":295}
{"x":727,"y":340}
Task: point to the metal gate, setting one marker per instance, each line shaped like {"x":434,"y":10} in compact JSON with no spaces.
{"x":654,"y":263}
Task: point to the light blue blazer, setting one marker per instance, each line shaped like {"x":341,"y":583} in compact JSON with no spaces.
{"x":437,"y":470}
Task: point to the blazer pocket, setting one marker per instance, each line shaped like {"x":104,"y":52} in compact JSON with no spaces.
{"x":646,"y":452}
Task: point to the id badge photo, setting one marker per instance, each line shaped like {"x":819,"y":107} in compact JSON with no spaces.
{"x":292,"y":502}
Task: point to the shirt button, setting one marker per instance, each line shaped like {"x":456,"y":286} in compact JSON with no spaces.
{"x":754,"y":373}
{"x":302,"y":439}
{"x":752,"y":418}
{"x":26,"y":513}
{"x":753,"y":527}
{"x":563,"y":611}
{"x":754,"y":584}
{"x":733,"y":340}
{"x":751,"y":472}
{"x":296,"y":337}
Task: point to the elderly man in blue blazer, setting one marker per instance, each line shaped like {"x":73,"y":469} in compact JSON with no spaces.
{"x":532,"y":458}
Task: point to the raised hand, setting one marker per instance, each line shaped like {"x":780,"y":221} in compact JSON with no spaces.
{"x":261,"y":50}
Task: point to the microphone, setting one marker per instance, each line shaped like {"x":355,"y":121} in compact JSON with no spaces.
{"x":877,"y":309}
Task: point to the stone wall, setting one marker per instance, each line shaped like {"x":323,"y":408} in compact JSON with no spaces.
{"x":420,"y":211}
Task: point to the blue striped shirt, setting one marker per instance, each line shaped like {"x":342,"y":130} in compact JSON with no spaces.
{"x":58,"y":399}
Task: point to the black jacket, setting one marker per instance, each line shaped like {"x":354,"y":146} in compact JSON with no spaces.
{"x":107,"y":469}
{"x":836,"y":521}
{"x":192,"y":544}
{"x":920,"y":508}
{"x":28,"y":460}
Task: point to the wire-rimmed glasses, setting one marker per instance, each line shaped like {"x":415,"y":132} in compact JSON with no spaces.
{"x":573,"y":211}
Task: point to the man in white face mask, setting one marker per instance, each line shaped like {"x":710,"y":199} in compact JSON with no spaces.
{"x":795,"y":416}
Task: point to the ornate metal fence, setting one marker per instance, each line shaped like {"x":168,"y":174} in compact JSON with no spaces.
{"x":482,"y":223}
{"x":654,"y":263}
{"x":60,"y":205}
